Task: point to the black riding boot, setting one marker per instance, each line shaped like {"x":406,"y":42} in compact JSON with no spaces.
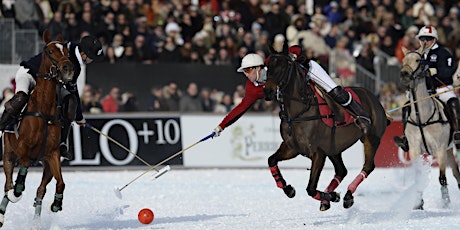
{"x":454,"y":108}
{"x":12,"y":109}
{"x":344,"y":98}
{"x":65,"y":130}
{"x":402,"y":140}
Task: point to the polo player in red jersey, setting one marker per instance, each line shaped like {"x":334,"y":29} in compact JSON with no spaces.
{"x":254,"y":69}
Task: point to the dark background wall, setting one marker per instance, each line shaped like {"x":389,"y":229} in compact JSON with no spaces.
{"x":139,"y":78}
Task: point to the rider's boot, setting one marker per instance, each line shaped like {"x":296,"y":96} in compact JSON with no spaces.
{"x":63,"y":148}
{"x":402,"y":140}
{"x":344,"y":98}
{"x":454,"y":108}
{"x":12,"y":109}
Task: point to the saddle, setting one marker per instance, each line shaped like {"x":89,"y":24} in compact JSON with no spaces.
{"x":333,"y":113}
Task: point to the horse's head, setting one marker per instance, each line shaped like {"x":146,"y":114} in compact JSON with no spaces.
{"x":411,"y":66}
{"x":280,"y":68}
{"x":55,"y":60}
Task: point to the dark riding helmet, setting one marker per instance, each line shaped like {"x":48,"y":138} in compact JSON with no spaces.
{"x":297,"y":53}
{"x":92,"y":47}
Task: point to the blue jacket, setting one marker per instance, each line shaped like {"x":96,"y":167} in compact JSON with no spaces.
{"x":33,"y":64}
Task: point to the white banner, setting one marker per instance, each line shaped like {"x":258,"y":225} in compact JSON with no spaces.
{"x":247,"y":143}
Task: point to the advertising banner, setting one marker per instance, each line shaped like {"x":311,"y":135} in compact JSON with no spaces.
{"x":152,"y":138}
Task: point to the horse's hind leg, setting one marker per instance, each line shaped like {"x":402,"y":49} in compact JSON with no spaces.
{"x":370,"y":148}
{"x":41,"y":190}
{"x":283,"y":153}
{"x":9,"y":160}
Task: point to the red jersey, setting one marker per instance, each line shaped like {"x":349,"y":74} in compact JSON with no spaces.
{"x":251,"y":95}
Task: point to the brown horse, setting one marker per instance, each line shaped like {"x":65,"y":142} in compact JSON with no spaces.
{"x":39,"y":131}
{"x":304,"y":132}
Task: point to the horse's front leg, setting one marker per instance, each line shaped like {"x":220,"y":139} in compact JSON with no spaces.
{"x":55,"y":168}
{"x":340,"y":173}
{"x":317,"y":164}
{"x":441,"y":153}
{"x":283,"y":153}
{"x":15,"y":194}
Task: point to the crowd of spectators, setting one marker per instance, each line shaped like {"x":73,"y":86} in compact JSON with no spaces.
{"x":168,"y":98}
{"x":213,"y":32}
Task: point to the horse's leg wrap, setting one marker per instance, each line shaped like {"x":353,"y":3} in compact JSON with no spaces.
{"x":38,"y":206}
{"x":334,"y":183}
{"x":322,"y":196}
{"x":358,"y":179}
{"x":57,"y":204}
{"x":280,"y":182}
{"x":20,"y":181}
{"x":4,"y":203}
{"x":12,"y":109}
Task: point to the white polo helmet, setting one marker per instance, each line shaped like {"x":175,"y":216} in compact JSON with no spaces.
{"x":428,"y":31}
{"x":250,"y":60}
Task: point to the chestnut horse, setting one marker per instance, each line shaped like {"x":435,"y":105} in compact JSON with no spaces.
{"x":428,"y":129}
{"x":304,"y":132}
{"x":39,"y":131}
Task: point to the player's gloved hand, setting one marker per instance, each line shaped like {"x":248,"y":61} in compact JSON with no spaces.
{"x":217,"y":131}
{"x":82,"y":122}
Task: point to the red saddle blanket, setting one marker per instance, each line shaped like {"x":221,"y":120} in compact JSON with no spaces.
{"x":325,"y":110}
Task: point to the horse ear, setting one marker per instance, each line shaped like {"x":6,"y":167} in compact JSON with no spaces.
{"x":272,"y":50}
{"x":405,"y":50}
{"x":420,"y":50}
{"x":46,"y":36}
{"x":60,"y":38}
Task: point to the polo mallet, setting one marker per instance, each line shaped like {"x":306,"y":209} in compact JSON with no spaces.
{"x":118,"y":190}
{"x":422,"y":99}
{"x":159,"y":172}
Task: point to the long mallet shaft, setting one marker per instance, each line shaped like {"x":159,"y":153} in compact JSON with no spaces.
{"x":123,"y":147}
{"x":422,"y":99}
{"x":165,"y":160}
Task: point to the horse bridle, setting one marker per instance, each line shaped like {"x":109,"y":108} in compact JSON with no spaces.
{"x":54,"y":71}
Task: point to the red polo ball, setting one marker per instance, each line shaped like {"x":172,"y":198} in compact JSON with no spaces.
{"x":145,"y":216}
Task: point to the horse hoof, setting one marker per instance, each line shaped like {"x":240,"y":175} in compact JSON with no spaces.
{"x":2,"y":220}
{"x":335,"y":196}
{"x":325,"y":205}
{"x":348,"y":200}
{"x":55,"y":208}
{"x":13,"y":198}
{"x":419,"y":206}
{"x":289,"y":191}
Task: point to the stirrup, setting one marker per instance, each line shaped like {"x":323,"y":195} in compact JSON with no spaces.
{"x":402,"y":142}
{"x":64,"y":151}
{"x":363,"y":123}
{"x":456,"y":137}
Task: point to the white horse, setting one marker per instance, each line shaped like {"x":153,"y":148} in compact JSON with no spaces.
{"x":428,"y":130}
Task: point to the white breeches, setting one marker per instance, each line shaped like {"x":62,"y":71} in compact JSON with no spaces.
{"x":447,"y":95}
{"x":24,"y":81}
{"x":320,"y":77}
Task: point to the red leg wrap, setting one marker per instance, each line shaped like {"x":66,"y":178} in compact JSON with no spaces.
{"x":280,"y":182}
{"x":334,"y":183}
{"x":359,"y":178}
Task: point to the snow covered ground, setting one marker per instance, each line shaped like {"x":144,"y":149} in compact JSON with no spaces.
{"x":234,"y":199}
